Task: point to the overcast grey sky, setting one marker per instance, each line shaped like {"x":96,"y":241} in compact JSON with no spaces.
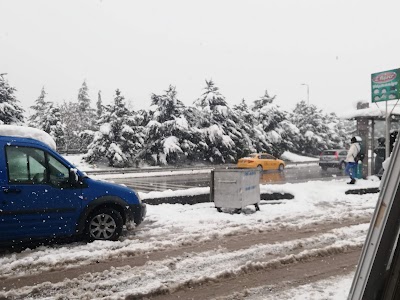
{"x":246,"y":47}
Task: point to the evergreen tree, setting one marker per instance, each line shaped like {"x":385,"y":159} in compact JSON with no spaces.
{"x":290,"y":134}
{"x":99,"y":105}
{"x":52,"y":124}
{"x":169,"y":138}
{"x":246,"y":118}
{"x":69,"y":112}
{"x":340,"y":131}
{"x":243,"y":111}
{"x":116,"y":140}
{"x":274,"y":132}
{"x":39,"y":110}
{"x":47,"y":117}
{"x":10,"y":110}
{"x":86,"y":117}
{"x":83,"y":98}
{"x":211,"y":97}
{"x":314,"y":129}
{"x":263,"y":101}
{"x":220,"y":128}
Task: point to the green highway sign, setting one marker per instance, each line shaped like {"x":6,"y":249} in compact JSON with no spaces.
{"x":385,"y":85}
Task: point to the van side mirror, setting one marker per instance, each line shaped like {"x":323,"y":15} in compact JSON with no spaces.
{"x":73,"y":176}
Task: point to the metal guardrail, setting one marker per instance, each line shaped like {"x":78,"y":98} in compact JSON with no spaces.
{"x":291,"y":163}
{"x":152,"y":170}
{"x":71,"y":151}
{"x":166,"y":169}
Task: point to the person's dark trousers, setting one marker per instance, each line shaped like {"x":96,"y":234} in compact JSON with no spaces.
{"x":351,"y":171}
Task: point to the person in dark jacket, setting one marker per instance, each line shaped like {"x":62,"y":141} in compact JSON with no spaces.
{"x":393,"y":137}
{"x":380,"y":152}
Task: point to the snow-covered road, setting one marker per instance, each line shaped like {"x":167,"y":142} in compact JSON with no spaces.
{"x":183,"y":245}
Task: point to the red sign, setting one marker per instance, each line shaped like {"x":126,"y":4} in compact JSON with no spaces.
{"x":384,"y":77}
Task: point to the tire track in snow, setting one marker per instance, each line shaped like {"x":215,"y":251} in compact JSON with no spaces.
{"x":24,"y":267}
{"x":194,"y":269}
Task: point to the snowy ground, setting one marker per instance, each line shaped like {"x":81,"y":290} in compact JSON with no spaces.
{"x":169,"y":227}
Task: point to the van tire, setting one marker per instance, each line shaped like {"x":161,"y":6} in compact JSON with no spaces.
{"x":104,"y":224}
{"x":342,"y":165}
{"x":281,"y":167}
{"x":260,"y":168}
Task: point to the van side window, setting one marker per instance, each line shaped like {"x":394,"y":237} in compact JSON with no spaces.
{"x":34,"y":166}
{"x":58,"y":173}
{"x":25,"y":165}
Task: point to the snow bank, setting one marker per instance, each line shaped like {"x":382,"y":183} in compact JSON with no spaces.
{"x":287,"y":155}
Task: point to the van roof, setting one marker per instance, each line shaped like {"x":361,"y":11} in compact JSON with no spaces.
{"x":27,"y":132}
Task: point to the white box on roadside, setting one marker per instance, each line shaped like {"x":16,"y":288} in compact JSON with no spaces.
{"x":235,"y":188}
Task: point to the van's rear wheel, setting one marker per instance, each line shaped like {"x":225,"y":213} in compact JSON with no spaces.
{"x":104,"y":224}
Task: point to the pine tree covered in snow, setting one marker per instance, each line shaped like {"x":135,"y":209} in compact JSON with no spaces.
{"x":170,"y":133}
{"x":116,"y":140}
{"x":246,"y":123}
{"x":291,"y":134}
{"x":221,"y":134}
{"x":47,"y":117}
{"x":274,"y":132}
{"x":99,"y":105}
{"x":69,"y":113}
{"x":10,"y":110}
{"x":244,"y":112}
{"x":52,"y":124}
{"x":83,"y":98}
{"x":39,"y":110}
{"x":86,"y":117}
{"x":315,"y":134}
{"x":263,"y":101}
{"x":169,"y":138}
{"x":340,"y":133}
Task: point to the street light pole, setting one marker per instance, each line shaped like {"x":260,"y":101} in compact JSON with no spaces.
{"x":308,"y":93}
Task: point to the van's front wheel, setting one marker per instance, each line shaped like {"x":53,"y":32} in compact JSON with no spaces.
{"x":104,"y":224}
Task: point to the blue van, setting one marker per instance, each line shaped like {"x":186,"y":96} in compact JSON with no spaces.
{"x":43,"y":196}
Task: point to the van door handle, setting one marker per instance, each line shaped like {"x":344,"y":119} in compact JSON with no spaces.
{"x":11,"y":190}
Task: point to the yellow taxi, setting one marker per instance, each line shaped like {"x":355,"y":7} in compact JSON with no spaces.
{"x":261,"y":161}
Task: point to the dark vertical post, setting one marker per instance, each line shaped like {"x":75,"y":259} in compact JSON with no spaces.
{"x":372,"y":146}
{"x":212,"y":186}
{"x":362,"y":129}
